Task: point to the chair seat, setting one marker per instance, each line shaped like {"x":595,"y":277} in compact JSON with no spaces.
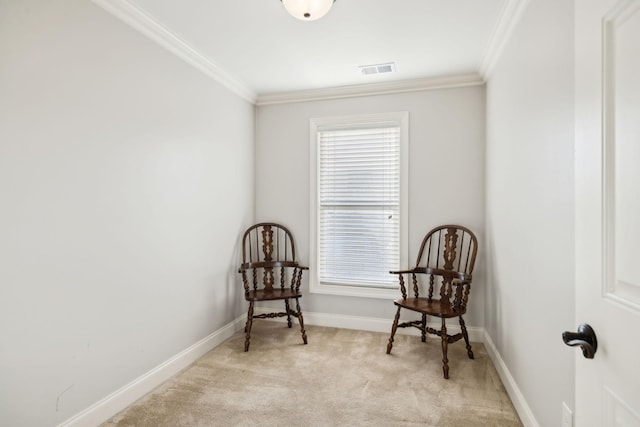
{"x":430,"y":307}
{"x":271,"y":294}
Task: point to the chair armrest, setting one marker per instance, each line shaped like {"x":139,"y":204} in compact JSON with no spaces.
{"x":456,"y":275}
{"x":251,"y":265}
{"x":269,"y":264}
{"x":272,"y":266}
{"x":401,"y":272}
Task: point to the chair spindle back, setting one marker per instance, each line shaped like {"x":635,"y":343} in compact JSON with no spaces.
{"x":268,"y":247}
{"x":447,"y":251}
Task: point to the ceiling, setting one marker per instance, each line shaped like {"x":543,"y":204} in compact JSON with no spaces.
{"x":259,"y":48}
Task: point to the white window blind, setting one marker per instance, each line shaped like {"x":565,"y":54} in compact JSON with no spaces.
{"x":359,"y":205}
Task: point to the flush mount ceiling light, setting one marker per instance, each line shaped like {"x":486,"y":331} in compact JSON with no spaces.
{"x":308,"y":10}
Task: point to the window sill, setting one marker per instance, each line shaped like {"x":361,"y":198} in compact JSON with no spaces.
{"x":355,"y":291}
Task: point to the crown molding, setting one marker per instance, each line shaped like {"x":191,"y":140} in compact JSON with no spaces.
{"x":371,"y":89}
{"x":140,"y":20}
{"x":511,"y":14}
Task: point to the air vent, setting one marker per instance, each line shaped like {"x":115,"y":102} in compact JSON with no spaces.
{"x":389,"y":67}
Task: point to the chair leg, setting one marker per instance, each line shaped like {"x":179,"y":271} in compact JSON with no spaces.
{"x":301,"y":320}
{"x":393,"y":330}
{"x":247,"y":328}
{"x":286,"y":304}
{"x":466,"y":337}
{"x":445,"y":344}
{"x":424,"y":328}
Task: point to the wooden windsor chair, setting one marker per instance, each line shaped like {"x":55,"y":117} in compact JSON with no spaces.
{"x":441,"y":283}
{"x":270,"y":272}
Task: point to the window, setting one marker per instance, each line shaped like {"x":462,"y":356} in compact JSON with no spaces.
{"x":359,"y":203}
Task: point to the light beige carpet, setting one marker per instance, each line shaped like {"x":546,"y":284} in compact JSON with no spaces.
{"x":341,"y":378}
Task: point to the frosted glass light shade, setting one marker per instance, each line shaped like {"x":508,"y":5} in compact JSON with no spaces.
{"x":308,"y":10}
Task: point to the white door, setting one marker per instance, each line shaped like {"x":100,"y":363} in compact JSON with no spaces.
{"x":608,"y":209}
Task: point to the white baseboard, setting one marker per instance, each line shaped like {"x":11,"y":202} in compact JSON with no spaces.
{"x":106,"y":408}
{"x":372,"y":324}
{"x":519,"y":402}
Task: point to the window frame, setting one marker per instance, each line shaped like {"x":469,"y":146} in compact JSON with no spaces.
{"x":400,"y":119}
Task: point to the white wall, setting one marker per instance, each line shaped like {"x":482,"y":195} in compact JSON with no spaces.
{"x":446,"y":176}
{"x":529,"y":233}
{"x":126,"y":179}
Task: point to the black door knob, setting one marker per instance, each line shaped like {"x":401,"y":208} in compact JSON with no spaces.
{"x":585,"y":338}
